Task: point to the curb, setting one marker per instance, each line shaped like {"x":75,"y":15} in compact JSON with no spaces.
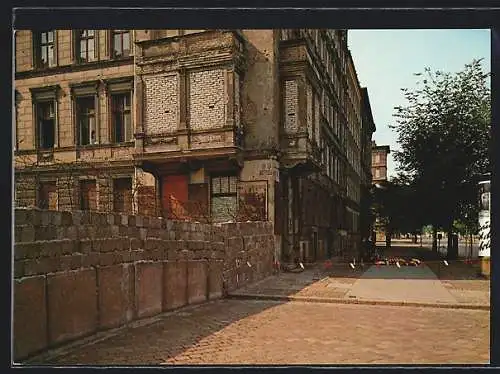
{"x":325,"y":300}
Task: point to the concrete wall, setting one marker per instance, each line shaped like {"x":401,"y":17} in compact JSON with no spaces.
{"x":76,"y":273}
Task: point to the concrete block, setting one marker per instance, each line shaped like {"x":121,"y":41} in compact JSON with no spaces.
{"x":215,"y":269}
{"x":72,"y":305}
{"x":174,"y":284}
{"x":30,"y":316}
{"x":114,"y":295}
{"x":197,"y":281}
{"x":148,"y":286}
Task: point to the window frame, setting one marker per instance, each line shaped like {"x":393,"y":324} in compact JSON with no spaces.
{"x":228,"y":177}
{"x":78,"y":121}
{"x":80,"y":91}
{"x":37,"y":49}
{"x":113,"y":52}
{"x":77,"y":38}
{"x":122,"y":112}
{"x":114,"y":87}
{"x":39,"y":96}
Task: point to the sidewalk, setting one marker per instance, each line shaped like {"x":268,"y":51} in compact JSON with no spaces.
{"x":386,"y":285}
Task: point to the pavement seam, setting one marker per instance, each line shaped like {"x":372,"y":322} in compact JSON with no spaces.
{"x":247,"y":296}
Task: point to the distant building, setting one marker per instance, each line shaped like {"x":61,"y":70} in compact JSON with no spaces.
{"x":379,"y":162}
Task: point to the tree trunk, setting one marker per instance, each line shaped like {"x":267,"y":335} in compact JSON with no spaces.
{"x":470,"y":245}
{"x":434,"y":238}
{"x":451,"y":250}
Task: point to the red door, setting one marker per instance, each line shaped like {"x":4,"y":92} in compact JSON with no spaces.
{"x":174,"y":195}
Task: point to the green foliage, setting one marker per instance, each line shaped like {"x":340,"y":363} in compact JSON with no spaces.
{"x":444,"y":136}
{"x":396,"y":206}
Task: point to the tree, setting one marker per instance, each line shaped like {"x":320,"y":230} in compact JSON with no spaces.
{"x":444,"y":135}
{"x":396,"y":204}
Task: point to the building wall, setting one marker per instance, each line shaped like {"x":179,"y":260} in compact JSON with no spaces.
{"x":258,"y":104}
{"x":260,"y":90}
{"x":379,"y":162}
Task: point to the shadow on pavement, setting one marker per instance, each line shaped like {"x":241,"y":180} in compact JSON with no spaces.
{"x":162,"y":340}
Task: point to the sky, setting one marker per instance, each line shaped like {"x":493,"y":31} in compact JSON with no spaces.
{"x":385,"y":61}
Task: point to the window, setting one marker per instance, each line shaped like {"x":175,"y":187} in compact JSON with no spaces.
{"x":88,"y":195}
{"x":85,"y":44}
{"x":223,"y":197}
{"x":86,"y":124}
{"x":46,"y":123}
{"x":121,"y":118}
{"x":45,"y":51}
{"x":47,"y":195}
{"x":121,"y":43}
{"x":122,"y":195}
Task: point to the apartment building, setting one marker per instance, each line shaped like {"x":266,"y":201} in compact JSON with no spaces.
{"x":379,"y":162}
{"x":211,"y":125}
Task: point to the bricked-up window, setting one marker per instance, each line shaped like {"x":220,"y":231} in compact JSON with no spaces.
{"x":85,"y":45}
{"x":121,"y":43}
{"x":85,"y":112}
{"x":88,"y":195}
{"x":121,"y":117}
{"x":223,"y":193}
{"x":47,"y":195}
{"x":46,"y":123}
{"x":122,"y":195}
{"x":45,"y":51}
{"x":291,"y":104}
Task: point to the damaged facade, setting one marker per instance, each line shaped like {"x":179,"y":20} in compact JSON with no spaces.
{"x":206,"y":125}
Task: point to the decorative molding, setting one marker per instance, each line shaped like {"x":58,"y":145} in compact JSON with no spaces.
{"x":74,"y":68}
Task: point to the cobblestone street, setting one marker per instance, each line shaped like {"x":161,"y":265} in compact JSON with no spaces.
{"x":269,"y":332}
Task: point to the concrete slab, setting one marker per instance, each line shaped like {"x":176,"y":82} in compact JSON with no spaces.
{"x":408,"y":284}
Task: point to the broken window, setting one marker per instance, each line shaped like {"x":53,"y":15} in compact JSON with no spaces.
{"x":46,"y":123}
{"x":85,"y":45}
{"x":45,"y":51}
{"x":121,"y":117}
{"x":47,"y":195}
{"x":88,"y":195}
{"x":122,"y":195}
{"x":86,"y":120}
{"x":121,"y":43}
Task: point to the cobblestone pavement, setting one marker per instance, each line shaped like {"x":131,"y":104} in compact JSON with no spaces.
{"x":270,"y":332}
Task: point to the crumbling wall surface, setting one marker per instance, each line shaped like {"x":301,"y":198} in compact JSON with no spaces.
{"x":249,"y":250}
{"x":76,"y":273}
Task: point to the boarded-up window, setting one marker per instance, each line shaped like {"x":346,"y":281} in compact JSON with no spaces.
{"x":88,"y":195}
{"x":146,"y":200}
{"x":174,"y":196}
{"x":122,"y":195}
{"x":198,"y":201}
{"x":291,"y":106}
{"x":252,"y":204}
{"x":47,"y":195}
{"x":223,"y":198}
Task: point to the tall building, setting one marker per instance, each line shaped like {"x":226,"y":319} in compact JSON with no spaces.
{"x":210,"y":125}
{"x":379,"y":162}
